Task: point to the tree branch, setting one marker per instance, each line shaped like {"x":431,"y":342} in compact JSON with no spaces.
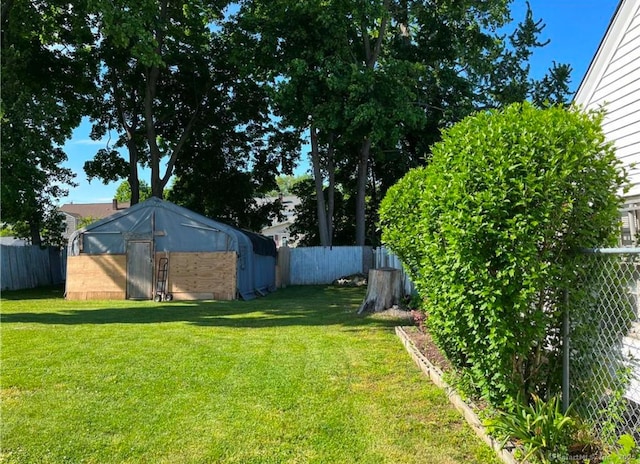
{"x":372,"y":58}
{"x":179,"y":146}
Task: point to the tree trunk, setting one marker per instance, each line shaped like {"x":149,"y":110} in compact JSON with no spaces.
{"x":134,"y":181}
{"x":331,"y":174}
{"x":321,"y":208}
{"x":34,"y":231}
{"x":384,"y":289}
{"x":361,"y":192}
{"x":130,"y":129}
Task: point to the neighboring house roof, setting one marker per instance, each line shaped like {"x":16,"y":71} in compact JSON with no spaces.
{"x":613,"y":81}
{"x":93,"y":210}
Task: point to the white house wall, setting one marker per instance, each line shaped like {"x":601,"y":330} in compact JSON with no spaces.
{"x":613,"y":82}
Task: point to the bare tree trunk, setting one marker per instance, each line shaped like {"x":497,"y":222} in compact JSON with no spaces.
{"x":158,"y":183}
{"x":331,"y":173}
{"x":34,"y":230}
{"x":149,"y":117}
{"x":317,"y":176}
{"x":134,"y":181}
{"x":361,"y":191}
{"x":130,"y":130}
{"x":372,"y":53}
{"x":4,"y":11}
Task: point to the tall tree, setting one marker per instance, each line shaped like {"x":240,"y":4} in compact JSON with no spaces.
{"x":236,"y":149}
{"x":47,"y":75}
{"x":156,"y":84}
{"x":374,"y":81}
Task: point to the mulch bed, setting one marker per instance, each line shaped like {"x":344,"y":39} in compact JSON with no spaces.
{"x":423,"y":341}
{"x":425,"y":344}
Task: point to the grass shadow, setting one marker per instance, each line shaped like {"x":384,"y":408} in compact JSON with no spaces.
{"x":40,"y":293}
{"x":287,"y":307}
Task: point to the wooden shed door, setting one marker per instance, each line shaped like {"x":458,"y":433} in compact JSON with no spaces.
{"x":139,"y":271}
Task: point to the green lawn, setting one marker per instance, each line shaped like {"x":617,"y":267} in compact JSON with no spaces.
{"x":295,"y":377}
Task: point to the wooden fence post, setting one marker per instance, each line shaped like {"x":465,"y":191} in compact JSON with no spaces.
{"x":283,"y":277}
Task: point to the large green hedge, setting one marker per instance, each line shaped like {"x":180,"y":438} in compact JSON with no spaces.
{"x":490,"y":232}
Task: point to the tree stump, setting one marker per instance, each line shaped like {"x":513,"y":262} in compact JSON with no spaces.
{"x":384,"y":289}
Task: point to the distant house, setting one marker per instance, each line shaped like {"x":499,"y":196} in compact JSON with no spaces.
{"x":279,"y":231}
{"x":613,"y":82}
{"x":74,"y":213}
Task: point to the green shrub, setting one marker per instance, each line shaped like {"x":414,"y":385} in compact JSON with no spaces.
{"x":490,"y":230}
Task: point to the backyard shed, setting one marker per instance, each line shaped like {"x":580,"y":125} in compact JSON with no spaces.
{"x":123,"y":256}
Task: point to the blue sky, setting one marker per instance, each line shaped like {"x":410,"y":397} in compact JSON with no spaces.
{"x":574,"y":27}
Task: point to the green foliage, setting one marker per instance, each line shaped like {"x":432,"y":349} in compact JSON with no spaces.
{"x":305,"y":227}
{"x":613,"y":387}
{"x":627,"y":453}
{"x":231,"y":196}
{"x":85,"y":221}
{"x":286,"y":184}
{"x":540,"y":428}
{"x":123,"y":192}
{"x":108,"y":166}
{"x":377,"y":81}
{"x":7,"y":231}
{"x":50,"y":229}
{"x":490,"y":232}
{"x":159,"y":81}
{"x":46,"y":82}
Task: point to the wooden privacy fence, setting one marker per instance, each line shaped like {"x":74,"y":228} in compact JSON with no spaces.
{"x":30,"y":267}
{"x":321,"y":265}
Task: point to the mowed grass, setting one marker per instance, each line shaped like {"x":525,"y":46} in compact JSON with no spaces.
{"x":294,"y":377}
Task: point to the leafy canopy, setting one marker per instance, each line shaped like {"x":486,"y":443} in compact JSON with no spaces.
{"x":47,"y":75}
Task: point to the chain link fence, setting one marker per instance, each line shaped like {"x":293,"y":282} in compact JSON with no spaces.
{"x":604,"y":342}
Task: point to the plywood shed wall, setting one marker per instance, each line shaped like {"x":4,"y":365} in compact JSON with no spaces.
{"x":191,"y":276}
{"x":96,"y":277}
{"x":202,"y":276}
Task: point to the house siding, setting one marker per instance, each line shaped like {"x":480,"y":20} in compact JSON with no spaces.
{"x":613,"y":82}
